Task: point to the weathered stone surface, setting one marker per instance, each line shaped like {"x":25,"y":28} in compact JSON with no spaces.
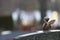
{"x":44,"y":36}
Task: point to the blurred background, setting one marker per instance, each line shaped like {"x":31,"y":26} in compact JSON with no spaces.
{"x":23,"y":16}
{"x":10,"y":11}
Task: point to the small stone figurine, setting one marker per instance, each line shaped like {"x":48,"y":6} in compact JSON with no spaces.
{"x":47,"y":23}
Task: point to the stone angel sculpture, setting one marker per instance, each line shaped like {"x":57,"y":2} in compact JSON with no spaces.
{"x":47,"y":24}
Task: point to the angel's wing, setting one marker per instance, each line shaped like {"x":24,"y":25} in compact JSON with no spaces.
{"x":52,"y":21}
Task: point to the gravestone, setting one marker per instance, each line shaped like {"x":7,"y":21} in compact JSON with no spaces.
{"x":43,"y":36}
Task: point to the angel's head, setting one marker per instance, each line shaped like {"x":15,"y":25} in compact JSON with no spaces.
{"x":46,"y":19}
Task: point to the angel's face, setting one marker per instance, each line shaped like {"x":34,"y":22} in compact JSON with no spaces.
{"x":46,"y":19}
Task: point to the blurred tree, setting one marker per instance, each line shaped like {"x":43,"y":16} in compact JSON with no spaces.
{"x":6,"y":23}
{"x":43,"y":9}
